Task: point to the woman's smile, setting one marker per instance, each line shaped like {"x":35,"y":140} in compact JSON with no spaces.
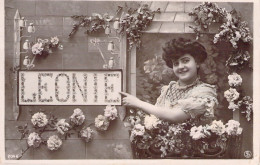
{"x":182,"y":71}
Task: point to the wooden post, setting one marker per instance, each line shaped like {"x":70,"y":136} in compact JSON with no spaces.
{"x":236,"y":115}
{"x":123,"y":66}
{"x":16,"y":63}
{"x":132,"y":68}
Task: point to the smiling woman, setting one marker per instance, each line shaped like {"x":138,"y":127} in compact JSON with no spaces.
{"x":188,"y":97}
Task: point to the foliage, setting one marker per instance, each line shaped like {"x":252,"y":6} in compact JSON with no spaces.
{"x":133,"y":22}
{"x":152,"y":77}
{"x":93,"y":24}
{"x":234,"y":30}
{"x":205,"y":14}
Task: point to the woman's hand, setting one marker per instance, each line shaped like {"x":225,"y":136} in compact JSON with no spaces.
{"x":130,"y":100}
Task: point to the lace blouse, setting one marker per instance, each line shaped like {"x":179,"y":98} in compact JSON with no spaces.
{"x":189,"y":98}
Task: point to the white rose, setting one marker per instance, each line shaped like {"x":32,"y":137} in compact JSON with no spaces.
{"x":151,"y":121}
{"x":231,"y":94}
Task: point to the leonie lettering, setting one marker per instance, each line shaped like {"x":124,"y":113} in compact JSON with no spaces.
{"x":82,"y":92}
{"x":95,"y":87}
{"x":44,"y":86}
{"x":57,"y":87}
{"x":69,"y":88}
{"x":23,"y":91}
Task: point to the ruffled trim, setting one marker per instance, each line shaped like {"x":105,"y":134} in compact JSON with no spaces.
{"x":196,"y":82}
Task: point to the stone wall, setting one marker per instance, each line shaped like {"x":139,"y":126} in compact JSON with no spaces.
{"x":52,"y":18}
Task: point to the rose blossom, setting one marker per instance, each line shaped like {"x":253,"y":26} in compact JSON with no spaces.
{"x":217,"y":127}
{"x":110,"y":112}
{"x":233,"y":106}
{"x":34,"y":140}
{"x":54,"y":40}
{"x":77,"y":117}
{"x":231,"y":94}
{"x":39,"y":119}
{"x":151,"y":121}
{"x":87,"y":134}
{"x":232,"y":128}
{"x":198,"y":132}
{"x":101,"y":122}
{"x":62,"y":126}
{"x":37,"y":48}
{"x":234,"y":79}
{"x":138,"y":130}
{"x":54,"y":142}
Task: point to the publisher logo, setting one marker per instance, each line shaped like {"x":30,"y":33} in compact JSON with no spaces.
{"x":248,"y":154}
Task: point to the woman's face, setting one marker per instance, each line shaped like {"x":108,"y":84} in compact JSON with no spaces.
{"x":185,"y":68}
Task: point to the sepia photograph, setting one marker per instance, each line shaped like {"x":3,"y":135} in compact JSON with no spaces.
{"x":132,"y":80}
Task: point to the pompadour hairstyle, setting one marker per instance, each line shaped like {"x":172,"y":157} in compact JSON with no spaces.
{"x":175,"y":48}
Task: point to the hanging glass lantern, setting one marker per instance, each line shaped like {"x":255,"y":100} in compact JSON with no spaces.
{"x":116,"y":24}
{"x":22,"y":22}
{"x":111,"y":63}
{"x":31,"y":28}
{"x":107,"y":30}
{"x":26,"y":61}
{"x":26,"y":45}
{"x":110,"y":46}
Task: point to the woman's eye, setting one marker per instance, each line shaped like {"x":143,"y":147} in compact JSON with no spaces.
{"x":175,"y":64}
{"x":186,"y":61}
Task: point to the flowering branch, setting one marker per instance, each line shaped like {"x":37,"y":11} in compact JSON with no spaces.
{"x":41,"y":123}
{"x":132,"y":21}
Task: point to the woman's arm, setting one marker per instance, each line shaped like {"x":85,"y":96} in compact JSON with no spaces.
{"x":176,"y":115}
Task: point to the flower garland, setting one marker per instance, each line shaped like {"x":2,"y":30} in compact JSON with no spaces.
{"x":63,"y":127}
{"x":234,"y":31}
{"x":153,"y":136}
{"x":133,"y":22}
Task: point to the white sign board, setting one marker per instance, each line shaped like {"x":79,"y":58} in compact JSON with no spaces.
{"x":99,"y":87}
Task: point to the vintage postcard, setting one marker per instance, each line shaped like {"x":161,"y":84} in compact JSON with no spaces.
{"x":128,"y":82}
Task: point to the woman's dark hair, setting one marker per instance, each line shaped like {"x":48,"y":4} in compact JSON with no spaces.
{"x":175,"y":48}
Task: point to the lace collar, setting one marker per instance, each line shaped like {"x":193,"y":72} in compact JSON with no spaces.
{"x":196,"y":82}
